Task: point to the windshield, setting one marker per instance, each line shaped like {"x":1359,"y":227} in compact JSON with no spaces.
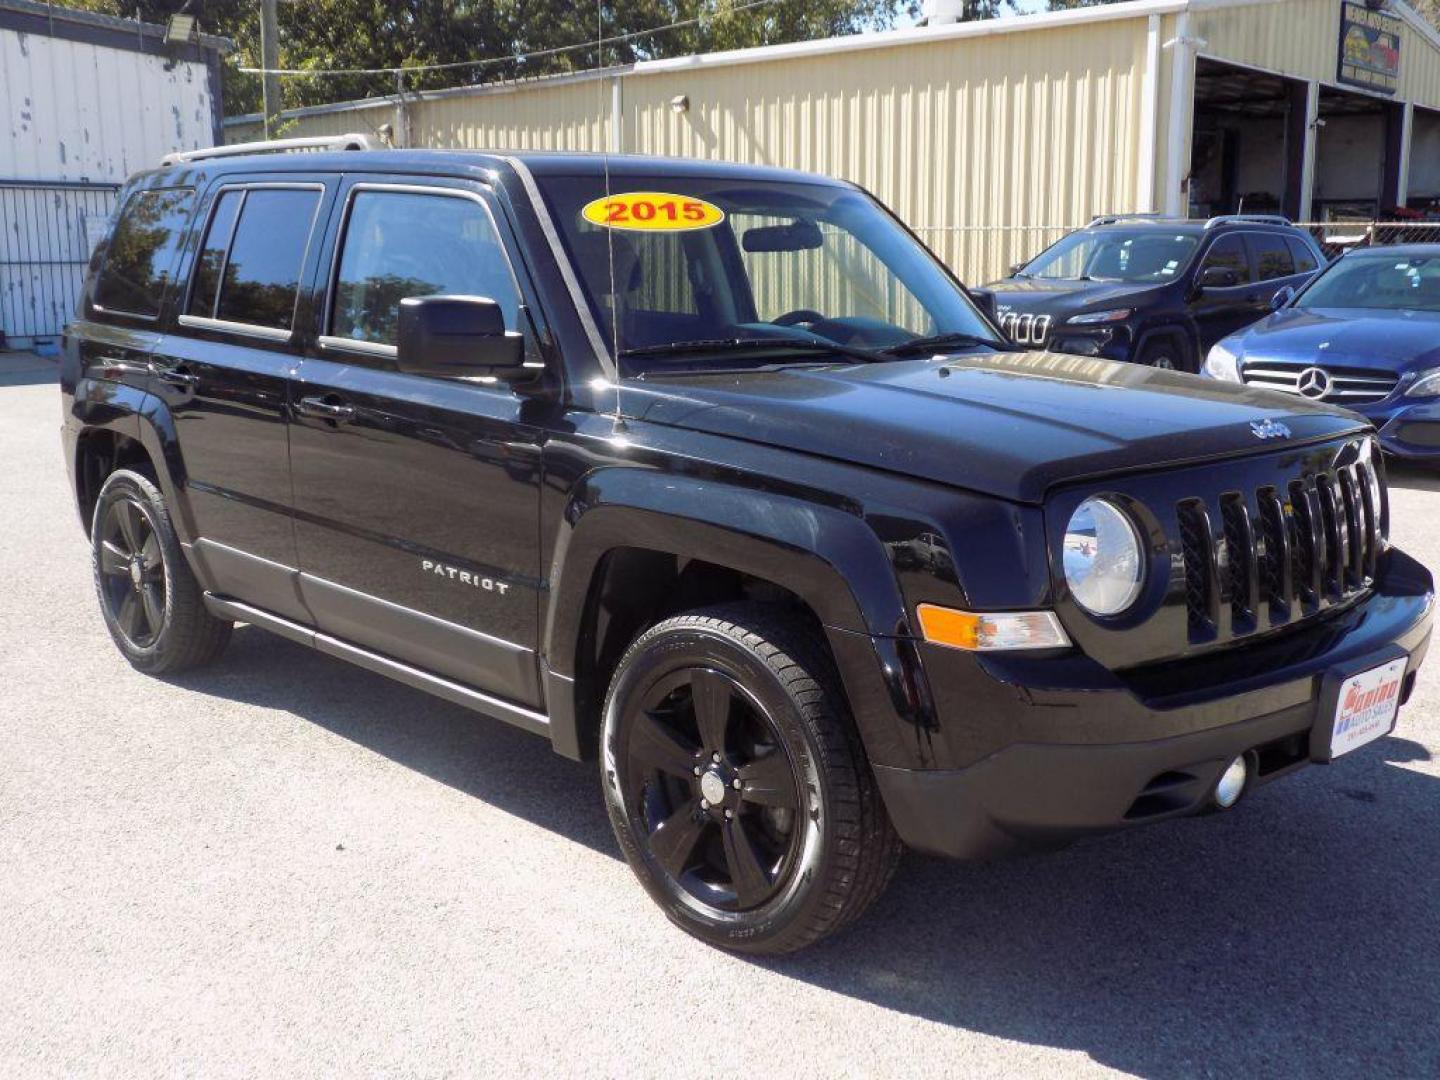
{"x":1386,"y":283}
{"x":1127,"y":255}
{"x":701,"y":272}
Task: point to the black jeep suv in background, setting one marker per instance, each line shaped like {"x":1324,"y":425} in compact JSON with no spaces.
{"x":715,"y":474}
{"x":1153,"y":291}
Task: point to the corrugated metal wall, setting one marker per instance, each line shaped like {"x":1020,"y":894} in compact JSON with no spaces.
{"x":81,"y":118}
{"x":1036,"y":131}
{"x":989,"y":144}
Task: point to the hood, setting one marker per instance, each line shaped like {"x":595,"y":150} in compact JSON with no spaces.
{"x":1049,"y":297}
{"x":1007,"y":424}
{"x":1344,"y":337}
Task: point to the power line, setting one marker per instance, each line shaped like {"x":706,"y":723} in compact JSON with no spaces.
{"x":537,"y":54}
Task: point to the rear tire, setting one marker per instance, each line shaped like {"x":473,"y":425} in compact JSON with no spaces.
{"x":737,"y":785}
{"x":152,"y":604}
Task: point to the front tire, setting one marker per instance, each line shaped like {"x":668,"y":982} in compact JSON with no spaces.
{"x":153,"y":606}
{"x":737,"y":785}
{"x":1167,"y":354}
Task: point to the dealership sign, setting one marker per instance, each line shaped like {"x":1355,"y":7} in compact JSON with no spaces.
{"x":1369,"y":48}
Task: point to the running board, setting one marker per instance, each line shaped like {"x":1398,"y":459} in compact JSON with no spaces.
{"x":521,"y":717}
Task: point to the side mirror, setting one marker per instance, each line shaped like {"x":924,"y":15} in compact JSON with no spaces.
{"x":457,"y":336}
{"x":1282,"y":297}
{"x":1217,"y":277}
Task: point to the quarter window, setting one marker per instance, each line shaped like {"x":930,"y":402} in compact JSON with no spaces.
{"x":261,"y":278}
{"x":140,"y":258}
{"x":1305,"y":261}
{"x":1229,"y":252}
{"x":1272,"y":256}
{"x":400,"y":244}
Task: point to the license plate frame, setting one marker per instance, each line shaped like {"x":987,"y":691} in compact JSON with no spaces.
{"x":1383,"y":668}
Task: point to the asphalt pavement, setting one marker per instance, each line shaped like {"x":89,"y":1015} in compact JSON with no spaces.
{"x":285,"y":865}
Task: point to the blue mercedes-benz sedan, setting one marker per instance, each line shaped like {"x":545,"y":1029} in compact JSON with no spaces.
{"x":1364,"y":334}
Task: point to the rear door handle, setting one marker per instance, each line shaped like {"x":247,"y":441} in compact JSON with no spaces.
{"x":321,"y":409}
{"x":175,"y":376}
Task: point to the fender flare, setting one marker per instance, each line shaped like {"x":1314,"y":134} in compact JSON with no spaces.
{"x":1185,"y":331}
{"x":827,"y":556}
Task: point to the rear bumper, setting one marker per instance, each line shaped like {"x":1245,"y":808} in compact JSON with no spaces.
{"x":1098,"y":758}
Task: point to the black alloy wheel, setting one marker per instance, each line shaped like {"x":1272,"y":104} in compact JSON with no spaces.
{"x":153,"y":605}
{"x":737,"y":784}
{"x":132,"y":572}
{"x":719,"y":800}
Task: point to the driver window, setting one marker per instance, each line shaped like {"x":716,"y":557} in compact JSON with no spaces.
{"x":796,"y":264}
{"x":1229,"y":252}
{"x":399,"y":244}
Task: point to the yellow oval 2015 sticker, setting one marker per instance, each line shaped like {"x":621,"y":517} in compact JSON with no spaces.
{"x":652,"y":211}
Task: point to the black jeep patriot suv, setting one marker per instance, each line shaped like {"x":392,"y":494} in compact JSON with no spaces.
{"x":1153,"y":290}
{"x":717,"y":475}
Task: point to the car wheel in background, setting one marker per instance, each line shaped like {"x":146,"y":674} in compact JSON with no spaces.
{"x":737,"y":784}
{"x":152,"y":604}
{"x":1166,"y":353}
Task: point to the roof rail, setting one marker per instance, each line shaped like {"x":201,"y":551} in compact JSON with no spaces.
{"x":274,"y":146}
{"x":1263,"y":219}
{"x":1113,"y":219}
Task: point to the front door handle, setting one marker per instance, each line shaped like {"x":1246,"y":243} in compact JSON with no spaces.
{"x":175,"y":376}
{"x":320,"y":408}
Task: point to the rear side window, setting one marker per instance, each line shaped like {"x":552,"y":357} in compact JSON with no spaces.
{"x":261,"y":276}
{"x":1272,"y":256}
{"x":1305,"y":261}
{"x":400,"y":244}
{"x":140,"y":258}
{"x":1229,"y":252}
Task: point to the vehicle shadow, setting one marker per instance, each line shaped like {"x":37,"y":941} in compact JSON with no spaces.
{"x":26,"y":369}
{"x":475,"y":754}
{"x":1295,"y":935}
{"x":1405,"y":474}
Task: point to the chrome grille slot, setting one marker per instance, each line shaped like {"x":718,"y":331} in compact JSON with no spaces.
{"x":1201,"y":569}
{"x":1242,"y":577}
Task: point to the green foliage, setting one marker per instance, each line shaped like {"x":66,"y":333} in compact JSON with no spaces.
{"x":406,"y":33}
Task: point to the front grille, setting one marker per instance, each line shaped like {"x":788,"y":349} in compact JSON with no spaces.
{"x":1339,"y":385}
{"x":1278,"y":554}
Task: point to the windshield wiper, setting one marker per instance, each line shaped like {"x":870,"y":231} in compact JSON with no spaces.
{"x":943,"y":341}
{"x":730,"y":345}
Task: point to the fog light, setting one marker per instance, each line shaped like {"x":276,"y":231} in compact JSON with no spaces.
{"x":1231,"y":784}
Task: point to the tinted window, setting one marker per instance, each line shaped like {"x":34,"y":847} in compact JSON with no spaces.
{"x":1272,"y":256}
{"x":141,"y":255}
{"x":212,"y":255}
{"x":1229,"y":252}
{"x":262,"y":274}
{"x":1131,"y":255}
{"x":400,"y":244}
{"x":1305,"y":261}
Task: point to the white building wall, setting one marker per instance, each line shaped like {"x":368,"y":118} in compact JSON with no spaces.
{"x":76,"y":111}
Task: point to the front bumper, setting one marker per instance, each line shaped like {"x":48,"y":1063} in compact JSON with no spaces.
{"x":1410,"y":429}
{"x":1061,"y":761}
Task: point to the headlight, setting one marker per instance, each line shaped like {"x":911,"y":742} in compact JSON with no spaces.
{"x":1220,"y":364}
{"x":1090,"y":319}
{"x":1104,"y":561}
{"x":1427,"y":385}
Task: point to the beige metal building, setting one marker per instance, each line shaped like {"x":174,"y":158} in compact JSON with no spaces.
{"x":991,"y":138}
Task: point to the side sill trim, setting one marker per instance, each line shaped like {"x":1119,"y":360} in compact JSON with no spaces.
{"x":527,"y":719}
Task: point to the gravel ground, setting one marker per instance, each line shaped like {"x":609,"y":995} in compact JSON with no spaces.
{"x":288,"y":865}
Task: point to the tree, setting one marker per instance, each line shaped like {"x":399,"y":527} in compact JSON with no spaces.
{"x":327,"y":34}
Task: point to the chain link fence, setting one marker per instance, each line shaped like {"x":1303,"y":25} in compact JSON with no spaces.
{"x":1338,"y":237}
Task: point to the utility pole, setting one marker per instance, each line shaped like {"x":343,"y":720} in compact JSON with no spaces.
{"x":269,"y":60}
